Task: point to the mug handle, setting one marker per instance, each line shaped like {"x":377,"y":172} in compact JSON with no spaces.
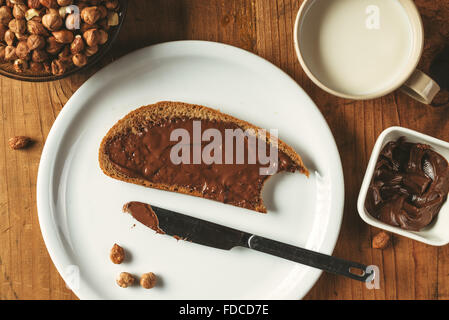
{"x":421,"y":87}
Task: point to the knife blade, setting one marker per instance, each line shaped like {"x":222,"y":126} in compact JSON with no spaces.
{"x":184,"y":227}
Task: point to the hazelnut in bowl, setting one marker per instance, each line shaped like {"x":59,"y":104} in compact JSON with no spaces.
{"x":46,"y":40}
{"x":406,"y":185}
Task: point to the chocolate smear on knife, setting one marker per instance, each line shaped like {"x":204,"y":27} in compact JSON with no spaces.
{"x":143,"y":213}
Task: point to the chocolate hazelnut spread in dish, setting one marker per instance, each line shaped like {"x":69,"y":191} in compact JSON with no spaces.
{"x":139,"y":149}
{"x":409,"y":186}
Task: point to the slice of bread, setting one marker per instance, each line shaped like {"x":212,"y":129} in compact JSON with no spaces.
{"x":152,"y":115}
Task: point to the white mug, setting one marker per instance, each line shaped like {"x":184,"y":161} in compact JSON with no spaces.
{"x":363,"y":49}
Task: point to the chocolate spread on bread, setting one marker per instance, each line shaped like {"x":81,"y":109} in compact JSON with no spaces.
{"x":409,"y":186}
{"x":145,"y":152}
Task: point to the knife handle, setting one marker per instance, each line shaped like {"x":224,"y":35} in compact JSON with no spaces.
{"x":314,"y":259}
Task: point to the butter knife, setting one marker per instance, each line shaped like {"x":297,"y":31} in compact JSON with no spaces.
{"x":183,"y":227}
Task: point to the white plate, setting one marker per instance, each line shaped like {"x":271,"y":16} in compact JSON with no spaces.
{"x":80,"y":209}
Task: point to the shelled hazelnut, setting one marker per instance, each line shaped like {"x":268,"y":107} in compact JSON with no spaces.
{"x":2,"y":53}
{"x":20,"y":65}
{"x":34,"y":4}
{"x":90,"y":51}
{"x":53,"y":47}
{"x":92,"y":37}
{"x":52,"y":21}
{"x":10,"y":53}
{"x":3,"y":30}
{"x":5,"y":15}
{"x":48,"y":37}
{"x":17,"y":25}
{"x":125,"y":280}
{"x":79,"y":59}
{"x":63,"y":36}
{"x":39,"y":55}
{"x":148,"y":280}
{"x":58,"y":67}
{"x":19,"y":10}
{"x":22,"y":50}
{"x":9,"y":37}
{"x":19,"y":142}
{"x":77,"y":46}
{"x":91,"y":15}
{"x":35,"y":41}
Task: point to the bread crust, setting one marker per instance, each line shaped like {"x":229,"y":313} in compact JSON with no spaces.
{"x":166,"y":110}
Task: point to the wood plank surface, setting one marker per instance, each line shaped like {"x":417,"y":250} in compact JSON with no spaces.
{"x":410,"y":270}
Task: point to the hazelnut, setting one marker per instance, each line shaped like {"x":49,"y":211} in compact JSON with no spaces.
{"x":20,"y":65}
{"x":5,"y":15}
{"x":9,"y":37}
{"x":17,"y":25}
{"x":85,"y":27}
{"x":31,"y":13}
{"x":19,"y":142}
{"x":103,"y":12}
{"x":66,"y":56}
{"x":117,"y":254}
{"x":63,"y":11}
{"x":103,"y":36}
{"x":112,"y":4}
{"x":381,"y":240}
{"x":52,"y":21}
{"x":91,"y":15}
{"x":92,"y":37}
{"x":3,"y":30}
{"x":49,"y":3}
{"x":53,"y":47}
{"x":148,"y":280}
{"x":10,"y":53}
{"x":34,"y":4}
{"x":113,"y":19}
{"x":64,"y":3}
{"x":39,"y":55}
{"x":2,"y":53}
{"x":90,"y":51}
{"x":103,"y":24}
{"x":36,"y":67}
{"x":22,"y":50}
{"x":19,"y":10}
{"x":21,"y":37}
{"x":35,"y":41}
{"x":36,"y":27}
{"x":77,"y":45}
{"x":73,"y":22}
{"x":80,"y":60}
{"x":58,"y":67}
{"x":63,"y":36}
{"x":125,"y":280}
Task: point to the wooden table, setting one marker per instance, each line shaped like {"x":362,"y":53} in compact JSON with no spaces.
{"x":410,"y":270}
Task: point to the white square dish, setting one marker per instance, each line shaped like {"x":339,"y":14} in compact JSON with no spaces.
{"x":436,"y":233}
